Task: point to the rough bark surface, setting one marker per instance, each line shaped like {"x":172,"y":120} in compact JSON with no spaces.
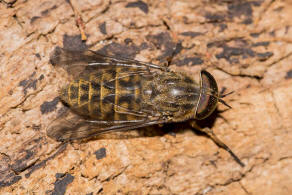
{"x":246,"y":45}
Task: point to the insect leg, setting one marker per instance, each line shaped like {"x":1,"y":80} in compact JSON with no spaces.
{"x":212,"y":135}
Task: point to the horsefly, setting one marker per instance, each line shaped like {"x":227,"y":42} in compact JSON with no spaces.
{"x":117,"y":94}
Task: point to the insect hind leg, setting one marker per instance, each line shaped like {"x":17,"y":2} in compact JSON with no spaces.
{"x":220,"y":143}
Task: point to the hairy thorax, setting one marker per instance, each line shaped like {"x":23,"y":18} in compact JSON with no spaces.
{"x":172,"y":95}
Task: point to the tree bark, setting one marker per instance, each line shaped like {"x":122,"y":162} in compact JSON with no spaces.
{"x":247,"y":47}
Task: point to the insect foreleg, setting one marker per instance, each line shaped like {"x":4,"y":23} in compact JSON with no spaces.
{"x":212,"y":135}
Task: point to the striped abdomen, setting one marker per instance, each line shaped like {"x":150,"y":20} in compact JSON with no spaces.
{"x":106,"y":95}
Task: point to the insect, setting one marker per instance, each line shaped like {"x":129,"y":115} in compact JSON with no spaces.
{"x":110,"y":94}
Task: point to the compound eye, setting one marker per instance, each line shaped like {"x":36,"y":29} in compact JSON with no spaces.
{"x":208,"y":96}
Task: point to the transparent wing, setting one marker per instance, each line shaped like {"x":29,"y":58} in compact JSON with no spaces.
{"x":70,"y":126}
{"x":83,"y":62}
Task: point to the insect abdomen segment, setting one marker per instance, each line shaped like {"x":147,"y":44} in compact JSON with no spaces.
{"x":105,"y":95}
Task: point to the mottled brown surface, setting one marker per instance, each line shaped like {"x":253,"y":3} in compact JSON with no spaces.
{"x":246,"y":45}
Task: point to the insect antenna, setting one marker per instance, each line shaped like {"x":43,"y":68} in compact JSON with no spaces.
{"x":222,"y":101}
{"x":224,"y":95}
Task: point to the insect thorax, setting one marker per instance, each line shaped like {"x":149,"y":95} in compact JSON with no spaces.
{"x":174,"y":95}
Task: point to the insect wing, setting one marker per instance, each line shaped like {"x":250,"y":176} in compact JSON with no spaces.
{"x":78,"y":63}
{"x":71,"y":126}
